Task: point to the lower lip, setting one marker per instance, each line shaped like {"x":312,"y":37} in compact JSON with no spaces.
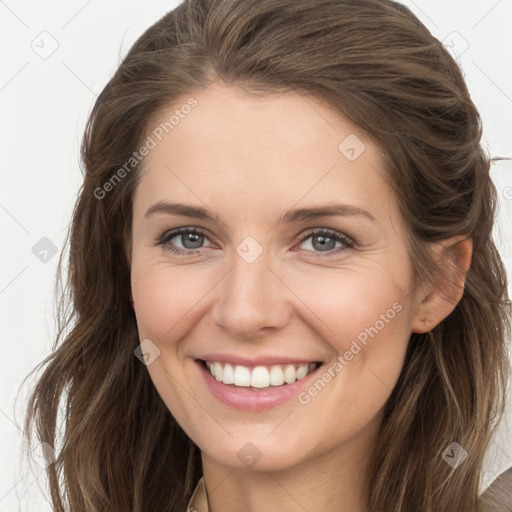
{"x":253,"y":400}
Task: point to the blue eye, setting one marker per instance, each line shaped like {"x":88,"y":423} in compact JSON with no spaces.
{"x":191,"y":238}
{"x":325,"y":240}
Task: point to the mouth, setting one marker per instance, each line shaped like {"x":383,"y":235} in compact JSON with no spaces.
{"x":258,"y":377}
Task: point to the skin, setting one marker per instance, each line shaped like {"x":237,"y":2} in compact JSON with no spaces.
{"x":250,"y":159}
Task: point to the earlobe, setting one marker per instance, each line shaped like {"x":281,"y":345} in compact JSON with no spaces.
{"x":433,"y":305}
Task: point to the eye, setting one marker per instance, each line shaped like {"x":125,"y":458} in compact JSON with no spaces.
{"x":190,"y":239}
{"x":325,"y":240}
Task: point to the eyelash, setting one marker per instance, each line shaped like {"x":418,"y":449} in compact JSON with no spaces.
{"x":335,"y":235}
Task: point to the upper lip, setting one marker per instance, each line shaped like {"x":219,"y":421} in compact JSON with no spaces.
{"x":267,"y":360}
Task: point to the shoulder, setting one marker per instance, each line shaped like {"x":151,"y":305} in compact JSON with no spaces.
{"x":498,"y":496}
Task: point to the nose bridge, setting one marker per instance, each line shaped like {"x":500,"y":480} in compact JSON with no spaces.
{"x":252,"y":297}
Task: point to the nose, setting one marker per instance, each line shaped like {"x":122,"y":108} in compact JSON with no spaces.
{"x":252,"y":299}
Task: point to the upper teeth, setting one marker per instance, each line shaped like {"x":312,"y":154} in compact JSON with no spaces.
{"x":260,"y":376}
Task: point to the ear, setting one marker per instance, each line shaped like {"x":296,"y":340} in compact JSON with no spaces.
{"x":434,"y":303}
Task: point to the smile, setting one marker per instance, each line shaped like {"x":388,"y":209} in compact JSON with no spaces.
{"x":256,"y":387}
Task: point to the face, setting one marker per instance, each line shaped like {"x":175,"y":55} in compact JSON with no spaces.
{"x":255,"y":281}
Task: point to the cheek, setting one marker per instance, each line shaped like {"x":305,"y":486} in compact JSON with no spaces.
{"x":166,"y":302}
{"x":366,"y":323}
{"x":167,"y":298}
{"x":356,"y":306}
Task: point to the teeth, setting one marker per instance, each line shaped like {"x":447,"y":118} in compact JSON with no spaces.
{"x":217,"y":371}
{"x":276,"y":376}
{"x":228,"y":376}
{"x":260,"y":376}
{"x":242,"y":376}
{"x":289,"y":374}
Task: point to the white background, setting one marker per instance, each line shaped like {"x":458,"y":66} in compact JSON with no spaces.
{"x":44,"y":105}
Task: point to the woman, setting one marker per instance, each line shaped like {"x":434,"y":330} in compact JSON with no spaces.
{"x":286,"y":295}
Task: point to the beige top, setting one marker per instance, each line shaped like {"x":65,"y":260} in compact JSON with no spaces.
{"x":198,"y":501}
{"x":500,"y":489}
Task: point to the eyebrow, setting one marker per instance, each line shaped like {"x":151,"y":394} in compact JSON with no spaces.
{"x":294,"y":215}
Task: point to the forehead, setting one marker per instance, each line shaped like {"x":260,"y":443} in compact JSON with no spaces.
{"x":239,"y":152}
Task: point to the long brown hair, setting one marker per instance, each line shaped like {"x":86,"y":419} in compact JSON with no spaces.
{"x":121,"y":449}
